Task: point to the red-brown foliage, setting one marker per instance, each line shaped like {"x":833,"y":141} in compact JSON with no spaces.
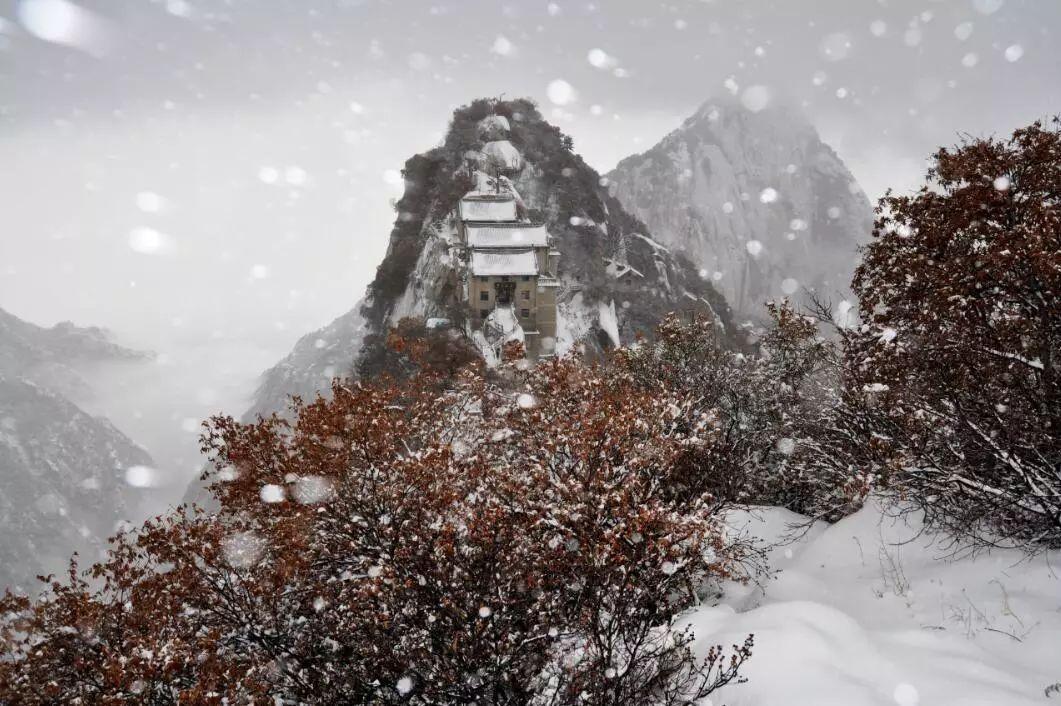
{"x":526,"y":541}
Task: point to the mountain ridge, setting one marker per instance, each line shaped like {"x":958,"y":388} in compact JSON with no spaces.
{"x":755,"y":198}
{"x":64,"y":470}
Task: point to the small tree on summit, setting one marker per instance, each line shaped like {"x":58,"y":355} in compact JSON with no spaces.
{"x":959,"y":347}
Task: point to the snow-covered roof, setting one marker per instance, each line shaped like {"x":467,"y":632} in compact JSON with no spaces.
{"x":620,"y":269}
{"x":507,"y":236}
{"x":488,"y":208}
{"x":518,"y":262}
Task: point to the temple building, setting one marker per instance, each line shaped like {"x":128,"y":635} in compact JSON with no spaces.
{"x":511,"y":273}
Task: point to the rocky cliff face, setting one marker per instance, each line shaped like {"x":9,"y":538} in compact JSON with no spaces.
{"x":617,"y":280}
{"x":63,"y":472}
{"x":754,"y":198}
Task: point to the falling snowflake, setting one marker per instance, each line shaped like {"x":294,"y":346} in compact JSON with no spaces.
{"x":149,"y":202}
{"x":888,"y":335}
{"x":149,"y":241}
{"x":295,"y":176}
{"x":988,"y":7}
{"x":833,"y":212}
{"x":878,"y":28}
{"x":970,"y":60}
{"x":906,"y":695}
{"x":755,"y":98}
{"x":404,"y":685}
{"x":1002,"y":183}
{"x":310,"y":490}
{"x":242,"y":550}
{"x":789,"y":286}
{"x":268,"y":175}
{"x":1014,"y":52}
{"x":141,"y":476}
{"x":600,"y":59}
{"x":727,"y":207}
{"x":485,"y":611}
{"x":963,"y":31}
{"x":271,"y":493}
{"x":560,"y":92}
{"x":502,"y":46}
{"x":785,"y":446}
{"x":844,"y":316}
{"x":768,"y":195}
{"x":526,"y":401}
{"x":755,"y":248}
{"x":63,"y":22}
{"x":669,"y":568}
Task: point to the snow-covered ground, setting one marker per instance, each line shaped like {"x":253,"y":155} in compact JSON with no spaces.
{"x":872,"y":610}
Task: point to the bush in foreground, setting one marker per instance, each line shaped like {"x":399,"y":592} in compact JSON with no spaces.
{"x":524,"y":541}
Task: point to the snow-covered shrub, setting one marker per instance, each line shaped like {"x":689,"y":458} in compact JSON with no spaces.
{"x":764,"y":411}
{"x":952,"y":390}
{"x":526,"y":540}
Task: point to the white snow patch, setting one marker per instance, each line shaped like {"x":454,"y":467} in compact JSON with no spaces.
{"x":872,"y":611}
{"x":608,"y":321}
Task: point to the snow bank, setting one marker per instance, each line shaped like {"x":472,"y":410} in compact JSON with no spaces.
{"x":869,"y":611}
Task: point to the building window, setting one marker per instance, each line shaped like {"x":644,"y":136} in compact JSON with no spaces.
{"x":483,"y":313}
{"x":525,"y":293}
{"x":504,"y":279}
{"x":526,"y":278}
{"x":525,"y":313}
{"x":484,"y":296}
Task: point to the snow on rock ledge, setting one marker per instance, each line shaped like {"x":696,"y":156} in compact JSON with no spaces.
{"x":504,"y":154}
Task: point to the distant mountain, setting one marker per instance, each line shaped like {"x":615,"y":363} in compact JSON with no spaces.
{"x":616,"y":279}
{"x":50,"y":356}
{"x":756,"y":199}
{"x":62,"y":472}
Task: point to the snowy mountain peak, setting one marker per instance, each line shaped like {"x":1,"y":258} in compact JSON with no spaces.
{"x":752,"y":196}
{"x":420,"y":275}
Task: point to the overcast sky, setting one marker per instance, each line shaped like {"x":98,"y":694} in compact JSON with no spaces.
{"x":221,"y":170}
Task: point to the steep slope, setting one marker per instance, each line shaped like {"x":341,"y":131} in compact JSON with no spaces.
{"x":754,"y":198}
{"x":63,"y":475}
{"x":50,"y":356}
{"x":62,"y":471}
{"x":616,"y":280}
